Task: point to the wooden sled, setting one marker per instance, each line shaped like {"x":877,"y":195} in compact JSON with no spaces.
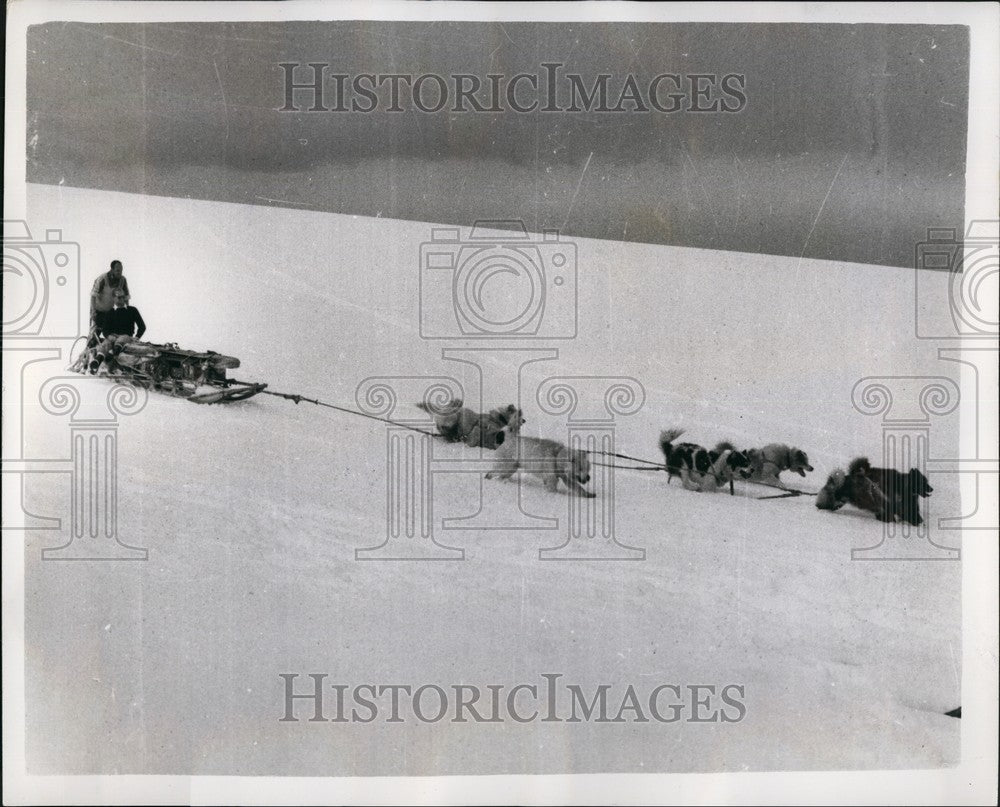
{"x":196,"y":377}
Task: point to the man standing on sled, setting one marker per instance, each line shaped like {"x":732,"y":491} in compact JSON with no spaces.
{"x":102,"y":296}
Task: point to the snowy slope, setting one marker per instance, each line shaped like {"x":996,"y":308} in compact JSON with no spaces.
{"x":252,"y":514}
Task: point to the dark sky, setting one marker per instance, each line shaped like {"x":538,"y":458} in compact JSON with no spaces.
{"x":850,"y":145}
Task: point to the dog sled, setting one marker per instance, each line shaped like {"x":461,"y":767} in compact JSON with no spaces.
{"x":171,"y":370}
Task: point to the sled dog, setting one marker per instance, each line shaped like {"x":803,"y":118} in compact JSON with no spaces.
{"x":699,"y":468}
{"x":855,"y":489}
{"x":734,"y":462}
{"x":903,"y":490}
{"x":457,"y":423}
{"x":689,"y":461}
{"x":769,"y":461}
{"x":548,"y":459}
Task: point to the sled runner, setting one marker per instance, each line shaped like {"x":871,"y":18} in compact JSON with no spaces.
{"x":197,"y":377}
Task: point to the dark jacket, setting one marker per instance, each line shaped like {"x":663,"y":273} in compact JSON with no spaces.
{"x":126,"y":321}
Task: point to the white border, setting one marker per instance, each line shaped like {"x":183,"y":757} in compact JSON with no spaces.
{"x":974,"y":781}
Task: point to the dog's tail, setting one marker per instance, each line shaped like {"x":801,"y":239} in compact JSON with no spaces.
{"x":859,"y":465}
{"x":667,"y":437}
{"x":724,"y":446}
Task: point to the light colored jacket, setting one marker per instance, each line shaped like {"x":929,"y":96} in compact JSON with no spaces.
{"x":102,"y":295}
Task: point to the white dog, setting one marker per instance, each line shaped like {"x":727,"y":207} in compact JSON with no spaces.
{"x":548,"y":459}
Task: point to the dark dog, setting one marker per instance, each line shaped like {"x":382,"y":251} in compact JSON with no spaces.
{"x":902,"y":490}
{"x":699,"y":468}
{"x":855,"y":489}
{"x":459,"y":424}
{"x":833,"y":496}
{"x":689,"y":461}
{"x":736,"y":462}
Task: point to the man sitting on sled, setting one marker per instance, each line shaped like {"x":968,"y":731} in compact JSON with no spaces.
{"x":115,"y":329}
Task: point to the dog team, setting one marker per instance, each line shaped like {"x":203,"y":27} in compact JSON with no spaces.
{"x":887,"y":493}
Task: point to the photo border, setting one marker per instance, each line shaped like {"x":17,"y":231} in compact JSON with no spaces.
{"x":972,"y":781}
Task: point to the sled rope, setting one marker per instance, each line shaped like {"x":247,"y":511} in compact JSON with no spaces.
{"x":624,"y":467}
{"x":296,"y":398}
{"x":300,"y":398}
{"x":649,"y":465}
{"x":656,"y":466}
